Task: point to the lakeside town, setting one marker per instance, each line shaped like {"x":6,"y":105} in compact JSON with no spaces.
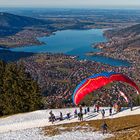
{"x":26,"y":37}
{"x":58,"y":75}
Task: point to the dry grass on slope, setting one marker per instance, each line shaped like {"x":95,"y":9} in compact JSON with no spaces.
{"x":123,"y":128}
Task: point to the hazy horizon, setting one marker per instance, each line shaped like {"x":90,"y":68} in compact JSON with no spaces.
{"x":71,"y":4}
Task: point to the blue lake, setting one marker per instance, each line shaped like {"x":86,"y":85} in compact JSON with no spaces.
{"x":73,"y":42}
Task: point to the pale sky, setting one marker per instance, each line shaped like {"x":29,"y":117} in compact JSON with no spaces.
{"x":70,"y":3}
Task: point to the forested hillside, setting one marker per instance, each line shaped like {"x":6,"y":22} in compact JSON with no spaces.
{"x":18,"y":92}
{"x":11,"y":24}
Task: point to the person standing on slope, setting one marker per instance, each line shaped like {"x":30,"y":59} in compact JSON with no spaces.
{"x":103,"y":113}
{"x":104,"y":127}
{"x":110,"y":111}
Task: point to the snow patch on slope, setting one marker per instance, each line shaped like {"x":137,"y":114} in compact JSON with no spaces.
{"x":36,"y":134}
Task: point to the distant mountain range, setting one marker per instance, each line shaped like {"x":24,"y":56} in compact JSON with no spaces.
{"x":132,"y":30}
{"x":10,"y":20}
{"x":11,"y":24}
{"x":135,"y":29}
{"x":128,"y":37}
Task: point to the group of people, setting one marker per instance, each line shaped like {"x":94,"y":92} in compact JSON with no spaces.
{"x":103,"y":112}
{"x":68,"y":115}
{"x":53,"y":118}
{"x":84,"y":111}
{"x":117,"y":108}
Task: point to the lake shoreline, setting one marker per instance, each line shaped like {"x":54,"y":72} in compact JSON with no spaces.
{"x":78,"y":43}
{"x":41,"y":35}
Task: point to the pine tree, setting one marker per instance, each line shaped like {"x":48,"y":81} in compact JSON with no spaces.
{"x":19,"y":93}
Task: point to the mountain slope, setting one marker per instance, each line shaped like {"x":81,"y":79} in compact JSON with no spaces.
{"x":11,"y":24}
{"x":10,"y":20}
{"x":132,"y":30}
{"x":40,"y":118}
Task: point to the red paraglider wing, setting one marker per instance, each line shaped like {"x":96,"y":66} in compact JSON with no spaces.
{"x":95,"y":82}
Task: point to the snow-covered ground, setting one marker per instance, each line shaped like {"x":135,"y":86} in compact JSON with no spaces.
{"x":28,"y":125}
{"x":37,"y":134}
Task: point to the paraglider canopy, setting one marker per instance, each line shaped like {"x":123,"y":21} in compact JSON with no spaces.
{"x":97,"y":81}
